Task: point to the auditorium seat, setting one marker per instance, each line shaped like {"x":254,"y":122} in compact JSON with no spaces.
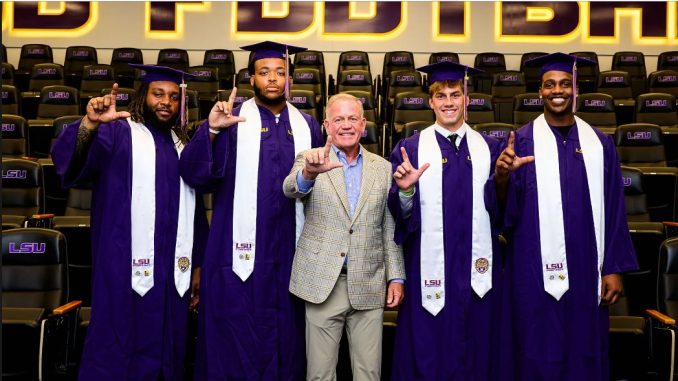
{"x":11,"y":221}
{"x":353,"y":60}
{"x":618,"y":85}
{"x":667,"y":60}
{"x":641,"y":145}
{"x":93,"y":79}
{"x":634,"y":64}
{"x":242,"y":79}
{"x":443,"y":57}
{"x":22,"y":187}
{"x":77,"y":57}
{"x":505,"y":86}
{"x":193,"y":106}
{"x":313,"y":59}
{"x":241,"y":95}
{"x":120,"y":60}
{"x":350,"y":80}
{"x":55,"y":101}
{"x":640,"y":285}
{"x":657,"y":108}
{"x":7,"y":74}
{"x":31,"y":55}
{"x":532,"y":77}
{"x":370,"y":138}
{"x":10,"y":100}
{"x":497,"y":130}
{"x":400,"y":81}
{"x":14,"y":142}
{"x":309,"y":79}
{"x":415,"y":127}
{"x":526,"y":108}
{"x":174,"y":58}
{"x":480,"y":109}
{"x":206,"y":83}
{"x":223,"y":60}
{"x":490,"y":63}
{"x":369,"y":105}
{"x":587,"y":76}
{"x":47,"y":74}
{"x":409,"y":107}
{"x":629,"y":348}
{"x":123,"y":98}
{"x":668,"y":278}
{"x":667,"y":285}
{"x":304,"y":100}
{"x":37,"y":325}
{"x":394,"y":61}
{"x":77,"y":231}
{"x":597,"y":109}
{"x":4,"y":54}
{"x":664,"y":81}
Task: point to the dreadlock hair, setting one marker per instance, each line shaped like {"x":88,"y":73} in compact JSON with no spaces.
{"x":136,"y":109}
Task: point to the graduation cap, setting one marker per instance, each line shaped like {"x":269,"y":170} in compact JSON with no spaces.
{"x":270,"y":49}
{"x":155,"y":73}
{"x":561,"y":62}
{"x":449,"y":71}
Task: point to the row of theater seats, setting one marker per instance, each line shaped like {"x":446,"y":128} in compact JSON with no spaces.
{"x":40,"y":334}
{"x":31,"y":188}
{"x":221,"y":61}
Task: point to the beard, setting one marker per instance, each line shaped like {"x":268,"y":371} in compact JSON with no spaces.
{"x":268,"y":101}
{"x":151,"y":120}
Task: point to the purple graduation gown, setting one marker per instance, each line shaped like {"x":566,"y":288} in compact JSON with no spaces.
{"x":456,"y":344}
{"x":567,"y":339}
{"x":252,"y":330}
{"x":130,"y":337}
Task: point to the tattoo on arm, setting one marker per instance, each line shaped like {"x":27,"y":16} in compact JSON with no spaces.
{"x":83,"y":140}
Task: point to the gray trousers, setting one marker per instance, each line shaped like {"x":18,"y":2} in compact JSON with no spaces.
{"x":324,"y":327}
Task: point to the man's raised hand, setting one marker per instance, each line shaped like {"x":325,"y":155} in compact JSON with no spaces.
{"x":318,"y":161}
{"x":221,"y":115}
{"x":102,"y":110}
{"x":508,"y":161}
{"x":406,"y":175}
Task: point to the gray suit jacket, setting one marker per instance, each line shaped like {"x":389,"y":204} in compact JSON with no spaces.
{"x":330,"y":234}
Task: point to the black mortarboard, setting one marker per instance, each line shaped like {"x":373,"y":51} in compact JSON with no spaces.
{"x":447,"y":71}
{"x":270,"y":49}
{"x":162,"y":73}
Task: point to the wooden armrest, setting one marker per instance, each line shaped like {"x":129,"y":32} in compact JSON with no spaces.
{"x":67,"y":307}
{"x":664,"y":319}
{"x":672,"y":224}
{"x":46,"y":215}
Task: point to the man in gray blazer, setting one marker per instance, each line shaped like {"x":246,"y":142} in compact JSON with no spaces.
{"x":346,"y":254}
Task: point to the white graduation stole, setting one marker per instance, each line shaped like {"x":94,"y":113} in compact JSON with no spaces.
{"x":246,"y":183}
{"x":143,"y":215}
{"x":551,"y":223}
{"x":432,"y":251}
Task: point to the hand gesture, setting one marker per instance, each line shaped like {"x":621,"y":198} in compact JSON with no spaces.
{"x":221,"y":117}
{"x":102,"y":110}
{"x":406,"y":175}
{"x":318,"y":161}
{"x":508,"y":161}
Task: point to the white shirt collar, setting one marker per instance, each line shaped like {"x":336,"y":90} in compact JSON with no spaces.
{"x":461,"y":132}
